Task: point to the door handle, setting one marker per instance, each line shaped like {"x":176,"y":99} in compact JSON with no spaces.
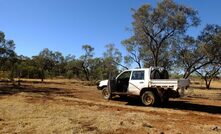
{"x":141,"y":82}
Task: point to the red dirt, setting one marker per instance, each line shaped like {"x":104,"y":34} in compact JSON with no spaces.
{"x":65,"y":106}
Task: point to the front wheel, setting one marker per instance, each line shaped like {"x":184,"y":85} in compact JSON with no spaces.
{"x":148,"y":98}
{"x":106,"y":93}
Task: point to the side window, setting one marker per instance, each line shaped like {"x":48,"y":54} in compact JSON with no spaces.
{"x":125,"y":75}
{"x":138,"y":75}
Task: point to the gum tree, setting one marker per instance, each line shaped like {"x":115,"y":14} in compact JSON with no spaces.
{"x":153,"y":27}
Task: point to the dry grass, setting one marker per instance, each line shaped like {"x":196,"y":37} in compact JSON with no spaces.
{"x":200,"y":83}
{"x":71,"y":106}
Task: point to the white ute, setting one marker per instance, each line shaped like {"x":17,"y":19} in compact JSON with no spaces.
{"x":151,"y":84}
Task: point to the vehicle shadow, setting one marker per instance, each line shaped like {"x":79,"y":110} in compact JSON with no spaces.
{"x":204,"y":88}
{"x":9,"y":89}
{"x":31,"y":82}
{"x":185,"y":105}
{"x":130,"y":100}
{"x":175,"y":105}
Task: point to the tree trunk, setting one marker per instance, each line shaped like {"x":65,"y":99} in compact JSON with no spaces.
{"x":42,"y":75}
{"x":28,"y":74}
{"x":208,"y":82}
{"x":155,"y":61}
{"x":19,"y":79}
{"x":186,"y":74}
{"x":12,"y":74}
{"x":155,"y":57}
{"x":86,"y":74}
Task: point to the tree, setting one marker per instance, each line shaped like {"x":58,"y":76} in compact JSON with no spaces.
{"x":134,"y":50}
{"x":108,"y":69}
{"x":217,"y":48}
{"x":193,"y":54}
{"x":188,"y":55}
{"x":113,"y":55}
{"x":44,"y":62}
{"x":86,"y":59}
{"x":8,"y":57}
{"x":208,"y":73}
{"x":98,"y":69}
{"x":212,"y":36}
{"x":10,"y":65}
{"x":7,"y":48}
{"x":154,"y":27}
{"x":74,"y":69}
{"x":59,"y":64}
{"x":24,"y":67}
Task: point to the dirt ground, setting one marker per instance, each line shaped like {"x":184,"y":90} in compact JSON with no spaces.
{"x":71,"y":106}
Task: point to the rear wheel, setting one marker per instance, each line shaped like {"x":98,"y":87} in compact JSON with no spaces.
{"x":148,"y":98}
{"x":106,"y":93}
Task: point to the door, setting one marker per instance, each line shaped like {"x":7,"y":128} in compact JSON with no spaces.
{"x":122,"y":81}
{"x":136,"y":82}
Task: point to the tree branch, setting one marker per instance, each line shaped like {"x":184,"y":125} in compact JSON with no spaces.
{"x":120,"y":65}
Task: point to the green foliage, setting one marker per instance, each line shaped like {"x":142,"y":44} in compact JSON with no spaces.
{"x":135,"y":53}
{"x":87,"y":60}
{"x":154,"y":27}
{"x":193,"y":54}
{"x":8,"y":57}
{"x":113,"y":56}
{"x":208,"y":73}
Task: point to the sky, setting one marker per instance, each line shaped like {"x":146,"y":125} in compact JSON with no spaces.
{"x":66,"y":25}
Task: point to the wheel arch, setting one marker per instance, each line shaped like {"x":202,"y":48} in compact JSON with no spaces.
{"x":101,"y":88}
{"x":154,"y":90}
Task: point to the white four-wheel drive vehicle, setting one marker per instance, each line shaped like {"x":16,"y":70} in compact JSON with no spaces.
{"x":151,"y":84}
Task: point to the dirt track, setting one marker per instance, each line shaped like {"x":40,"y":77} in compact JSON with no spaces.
{"x":63,"y":106}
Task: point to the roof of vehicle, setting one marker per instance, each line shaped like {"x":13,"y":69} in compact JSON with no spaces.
{"x":138,"y":69}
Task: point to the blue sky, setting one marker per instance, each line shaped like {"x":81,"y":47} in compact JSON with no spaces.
{"x":66,"y":25}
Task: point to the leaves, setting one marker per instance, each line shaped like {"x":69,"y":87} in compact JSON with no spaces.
{"x":154,"y":27}
{"x":113,"y":55}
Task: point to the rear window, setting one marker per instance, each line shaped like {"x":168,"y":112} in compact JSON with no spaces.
{"x":138,"y":75}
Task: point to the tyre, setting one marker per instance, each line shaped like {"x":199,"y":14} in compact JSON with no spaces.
{"x":148,"y":98}
{"x":164,"y":74}
{"x":155,"y":74}
{"x":106,"y":93}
